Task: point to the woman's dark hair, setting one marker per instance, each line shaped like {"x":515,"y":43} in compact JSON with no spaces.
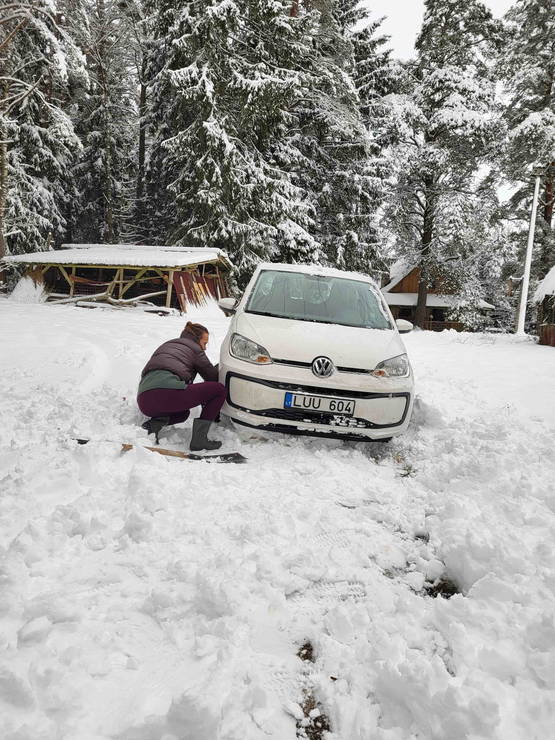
{"x":197,"y":330}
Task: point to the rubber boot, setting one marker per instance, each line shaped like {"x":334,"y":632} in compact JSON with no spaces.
{"x":199,"y":439}
{"x":155,"y":425}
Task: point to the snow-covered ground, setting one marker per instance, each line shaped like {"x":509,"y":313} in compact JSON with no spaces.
{"x":148,"y":598}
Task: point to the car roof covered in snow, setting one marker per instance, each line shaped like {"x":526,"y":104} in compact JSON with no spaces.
{"x":124,"y":255}
{"x":318,"y":270}
{"x":546,"y":287}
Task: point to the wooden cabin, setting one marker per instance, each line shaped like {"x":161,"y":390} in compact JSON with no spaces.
{"x":126,"y":274}
{"x":544,"y":298}
{"x":401,"y":294}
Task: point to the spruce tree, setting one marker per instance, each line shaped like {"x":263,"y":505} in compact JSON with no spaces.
{"x":218,"y":108}
{"x":527,"y":67}
{"x":339,"y":170}
{"x":105,"y":113}
{"x":445,"y":126}
{"x":38,"y":145}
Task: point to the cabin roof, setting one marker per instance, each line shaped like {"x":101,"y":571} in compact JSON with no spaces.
{"x":432,"y":300}
{"x":124,"y":255}
{"x":398,"y":270}
{"x":546,"y":287}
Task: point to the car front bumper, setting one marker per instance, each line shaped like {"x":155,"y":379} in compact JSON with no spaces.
{"x":255,"y":398}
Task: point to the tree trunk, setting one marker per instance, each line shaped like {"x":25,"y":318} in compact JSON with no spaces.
{"x":108,"y":232}
{"x":549,"y":199}
{"x":420,"y":314}
{"x":3,"y":187}
{"x":427,"y":234}
{"x":142,"y":143}
{"x":3,"y":172}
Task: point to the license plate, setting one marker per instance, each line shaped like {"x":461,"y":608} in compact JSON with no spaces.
{"x":322,"y":404}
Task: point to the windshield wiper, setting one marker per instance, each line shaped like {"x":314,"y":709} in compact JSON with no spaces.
{"x":265,"y":313}
{"x":314,"y":321}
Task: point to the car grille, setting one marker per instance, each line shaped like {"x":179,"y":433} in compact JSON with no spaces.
{"x":341,"y":369}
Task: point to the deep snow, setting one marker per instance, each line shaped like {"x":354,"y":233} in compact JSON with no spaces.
{"x":147,"y":598}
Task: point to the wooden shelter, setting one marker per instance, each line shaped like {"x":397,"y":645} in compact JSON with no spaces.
{"x":544,"y":297}
{"x":401,"y":294}
{"x":125,"y":274}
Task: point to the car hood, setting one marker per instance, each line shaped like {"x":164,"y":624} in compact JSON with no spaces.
{"x":303,"y":341}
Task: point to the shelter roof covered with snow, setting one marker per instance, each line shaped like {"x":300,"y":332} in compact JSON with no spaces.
{"x":124,"y":255}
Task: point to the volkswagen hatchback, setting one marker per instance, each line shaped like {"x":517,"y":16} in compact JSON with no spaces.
{"x":315,"y":351}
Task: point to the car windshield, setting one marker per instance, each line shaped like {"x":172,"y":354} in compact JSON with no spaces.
{"x":321,"y":298}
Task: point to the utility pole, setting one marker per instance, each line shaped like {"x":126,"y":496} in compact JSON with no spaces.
{"x":528,"y":263}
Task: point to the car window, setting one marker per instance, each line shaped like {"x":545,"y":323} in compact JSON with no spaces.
{"x":320,"y":298}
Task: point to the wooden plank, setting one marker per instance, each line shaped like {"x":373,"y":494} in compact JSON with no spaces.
{"x":181,"y":294}
{"x":409,"y":284}
{"x":104,"y":296}
{"x":129,"y":301}
{"x":170,"y":288}
{"x":160,"y":273}
{"x":547,"y":335}
{"x":223,"y":457}
{"x":139,"y":274}
{"x":110,"y":288}
{"x":75,"y":299}
{"x":159,"y":450}
{"x":64,"y":273}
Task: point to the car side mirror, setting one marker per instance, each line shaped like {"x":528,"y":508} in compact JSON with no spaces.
{"x":227,"y":305}
{"x":404,"y":326}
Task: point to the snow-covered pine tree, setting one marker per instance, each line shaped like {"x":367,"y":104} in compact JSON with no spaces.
{"x":160,"y":115}
{"x":376,"y":75}
{"x":218,"y":107}
{"x":37,"y":142}
{"x":338,"y":167}
{"x":105,"y":114}
{"x":527,"y":67}
{"x":444,"y":127}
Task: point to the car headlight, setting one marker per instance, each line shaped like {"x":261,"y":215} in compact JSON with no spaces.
{"x":395,"y":367}
{"x":246,"y":349}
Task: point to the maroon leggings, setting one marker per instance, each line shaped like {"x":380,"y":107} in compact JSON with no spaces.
{"x":175,"y":403}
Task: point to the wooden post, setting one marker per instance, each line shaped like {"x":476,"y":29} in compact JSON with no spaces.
{"x":132,"y":282}
{"x":64,"y":273}
{"x":111,"y":286}
{"x":170,"y":288}
{"x":72,"y":289}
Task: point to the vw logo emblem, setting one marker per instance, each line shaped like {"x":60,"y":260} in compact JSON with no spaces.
{"x":322,"y":367}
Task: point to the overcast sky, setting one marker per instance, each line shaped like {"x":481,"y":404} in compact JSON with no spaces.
{"x":404,"y":18}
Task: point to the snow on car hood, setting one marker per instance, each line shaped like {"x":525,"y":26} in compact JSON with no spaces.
{"x":302,"y":341}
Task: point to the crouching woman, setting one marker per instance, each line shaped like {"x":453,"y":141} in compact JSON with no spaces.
{"x":167,"y":392}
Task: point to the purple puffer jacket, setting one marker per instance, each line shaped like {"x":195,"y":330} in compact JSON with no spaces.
{"x":184,"y":357}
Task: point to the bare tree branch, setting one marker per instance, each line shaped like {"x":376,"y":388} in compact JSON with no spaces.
{"x":10,"y":36}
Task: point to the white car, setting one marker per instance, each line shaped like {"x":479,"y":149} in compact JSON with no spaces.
{"x":315,"y":351}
